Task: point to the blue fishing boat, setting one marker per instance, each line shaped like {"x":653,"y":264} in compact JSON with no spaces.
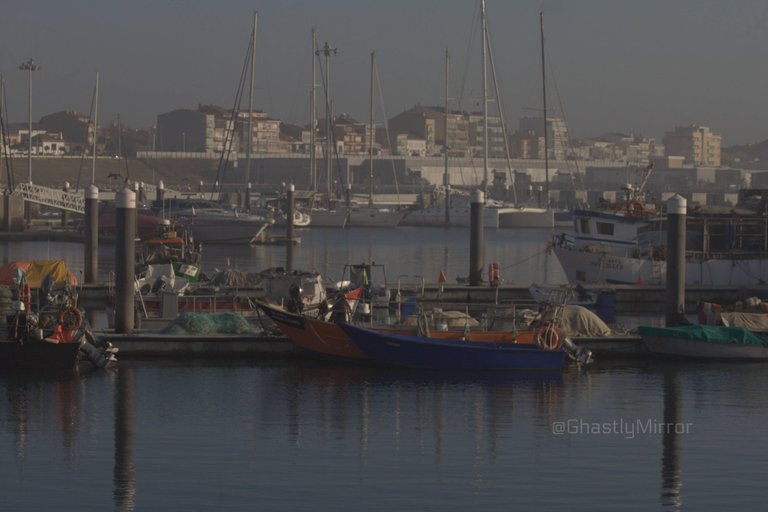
{"x":444,"y":354}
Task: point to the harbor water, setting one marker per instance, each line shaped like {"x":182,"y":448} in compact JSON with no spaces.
{"x":289,"y":435}
{"x":412,"y":253}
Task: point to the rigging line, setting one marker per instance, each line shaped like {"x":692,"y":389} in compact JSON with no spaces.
{"x":82,"y":153}
{"x":500,"y":108}
{"x":565,"y":120}
{"x":533,"y":256}
{"x":4,"y":139}
{"x":386,"y":130}
{"x":329,"y":121}
{"x":221,"y":171}
{"x":470,"y":44}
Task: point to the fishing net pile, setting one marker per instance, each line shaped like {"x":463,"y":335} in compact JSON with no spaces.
{"x":233,"y":278}
{"x":204,"y":323}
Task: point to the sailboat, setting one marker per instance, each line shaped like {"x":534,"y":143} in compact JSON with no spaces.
{"x":455,"y":210}
{"x":521,"y":216}
{"x":370,"y":215}
{"x":320,"y":216}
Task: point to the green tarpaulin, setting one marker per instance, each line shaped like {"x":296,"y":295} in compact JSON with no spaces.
{"x":708,"y":333}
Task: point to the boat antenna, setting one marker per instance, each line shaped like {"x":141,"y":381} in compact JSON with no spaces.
{"x":544,"y":101}
{"x":371,"y":136}
{"x":484,"y":46}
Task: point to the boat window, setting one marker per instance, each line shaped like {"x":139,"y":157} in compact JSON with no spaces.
{"x":604,"y":228}
{"x":584,"y":228}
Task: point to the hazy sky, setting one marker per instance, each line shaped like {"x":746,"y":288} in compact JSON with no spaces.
{"x":642,"y":66}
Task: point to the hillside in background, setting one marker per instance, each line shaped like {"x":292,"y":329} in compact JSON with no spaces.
{"x":748,"y":156}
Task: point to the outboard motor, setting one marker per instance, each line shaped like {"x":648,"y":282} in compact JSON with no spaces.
{"x":579,"y":354}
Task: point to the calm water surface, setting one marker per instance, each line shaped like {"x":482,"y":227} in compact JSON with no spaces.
{"x":292,"y":435}
{"x":412,"y":252}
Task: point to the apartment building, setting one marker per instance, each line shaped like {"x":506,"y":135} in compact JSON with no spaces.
{"x":698,"y":145}
{"x":532,"y":129}
{"x":211,"y":129}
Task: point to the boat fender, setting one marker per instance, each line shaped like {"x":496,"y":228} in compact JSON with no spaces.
{"x":547,"y":337}
{"x":635,"y":208}
{"x":70,"y":318}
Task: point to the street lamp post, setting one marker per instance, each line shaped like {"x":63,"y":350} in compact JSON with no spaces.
{"x":29,"y":66}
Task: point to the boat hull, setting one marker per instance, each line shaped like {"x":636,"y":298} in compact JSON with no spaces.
{"x":526,"y":218}
{"x":693,"y":349}
{"x":431,"y":353}
{"x":328,"y":339}
{"x":374,"y":218}
{"x":328,"y":219}
{"x":601,"y":267}
{"x":38,"y":355}
{"x":213,"y":232}
{"x":705,"y":342}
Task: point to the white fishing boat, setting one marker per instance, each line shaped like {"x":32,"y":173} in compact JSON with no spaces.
{"x":723,"y":248}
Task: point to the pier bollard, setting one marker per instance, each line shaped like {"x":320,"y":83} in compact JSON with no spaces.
{"x":65,"y":213}
{"x":675,"y":296}
{"x":125,"y":203}
{"x":247,"y":204}
{"x":91,"y":256}
{"x":476,"y":238}
{"x":160,"y":192}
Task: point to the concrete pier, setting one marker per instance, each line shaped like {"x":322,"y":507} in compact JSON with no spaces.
{"x":477,"y":238}
{"x":91,"y":256}
{"x":160,"y":192}
{"x":125,"y":203}
{"x":675,"y":296}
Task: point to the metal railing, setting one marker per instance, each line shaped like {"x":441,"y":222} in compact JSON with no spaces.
{"x":56,"y":198}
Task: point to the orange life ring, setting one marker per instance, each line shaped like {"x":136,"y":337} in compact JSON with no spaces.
{"x":635,"y":208}
{"x":65,"y":319}
{"x":547,"y":338}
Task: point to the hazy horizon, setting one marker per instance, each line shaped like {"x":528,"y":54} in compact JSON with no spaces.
{"x":642,"y":67}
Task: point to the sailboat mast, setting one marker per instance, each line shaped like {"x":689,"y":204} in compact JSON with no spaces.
{"x":485,"y":96}
{"x":370,"y":136}
{"x":250,"y":101}
{"x":313,"y":120}
{"x":95,"y":128}
{"x":446,"y":176}
{"x":544,"y":97}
